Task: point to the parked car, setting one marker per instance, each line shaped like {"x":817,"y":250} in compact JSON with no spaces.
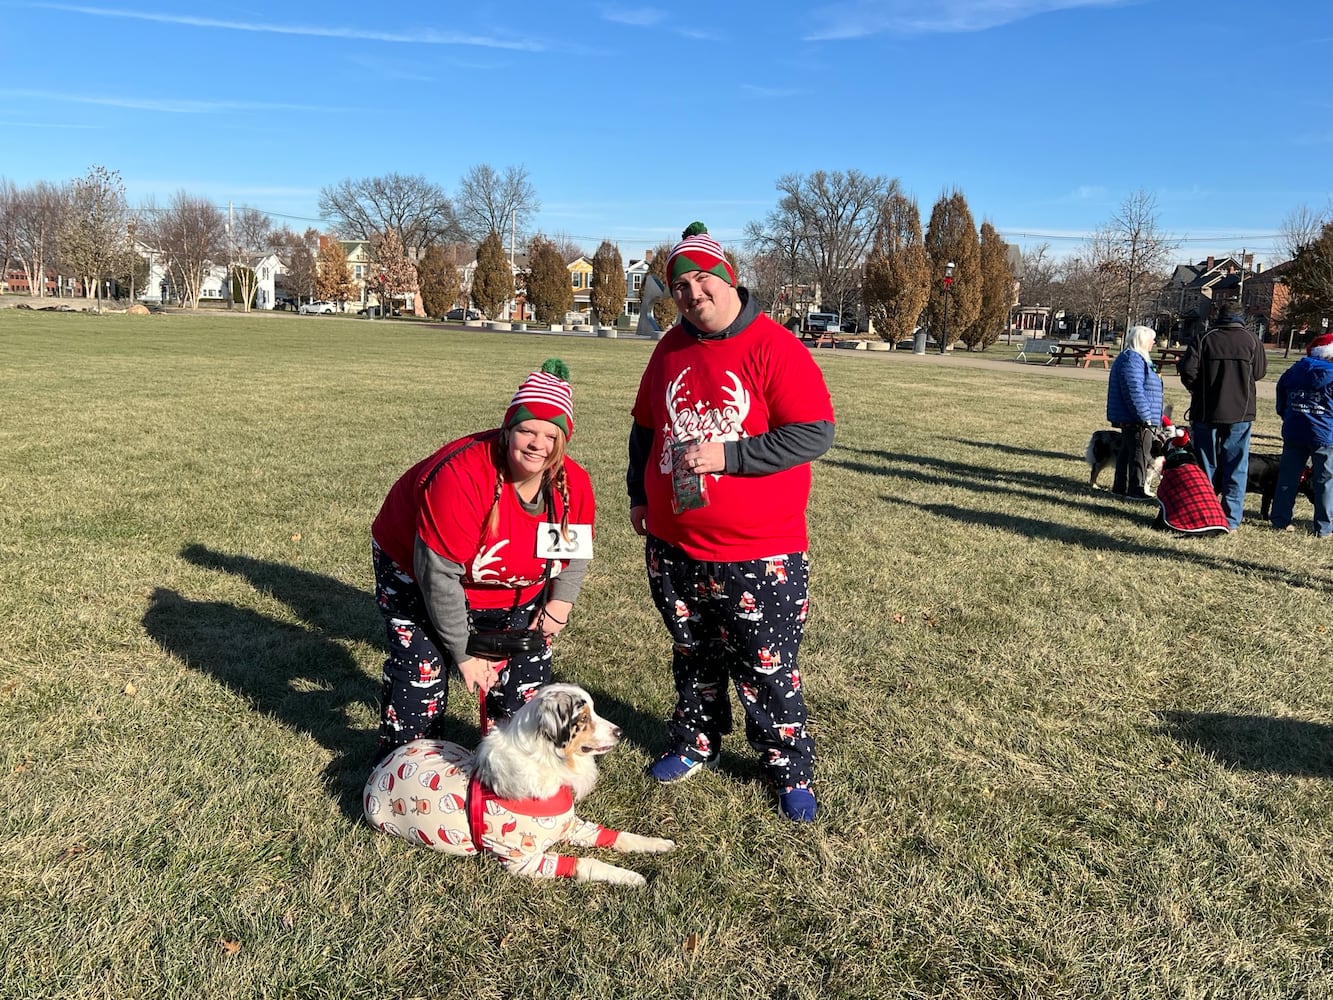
{"x":823,"y":322}
{"x":317,"y":307}
{"x":462,"y":315}
{"x":376,"y":311}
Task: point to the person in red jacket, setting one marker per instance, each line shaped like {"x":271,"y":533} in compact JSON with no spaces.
{"x":492,"y":531}
{"x":730,"y":412}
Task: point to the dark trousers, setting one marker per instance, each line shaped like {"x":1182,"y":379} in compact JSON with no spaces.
{"x":415,"y":683}
{"x":1132,"y":460}
{"x":741,"y":621}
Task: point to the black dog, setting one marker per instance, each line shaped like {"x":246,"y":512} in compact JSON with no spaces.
{"x":1262,"y":479}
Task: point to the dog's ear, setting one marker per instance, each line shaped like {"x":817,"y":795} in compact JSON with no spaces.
{"x":560,"y":714}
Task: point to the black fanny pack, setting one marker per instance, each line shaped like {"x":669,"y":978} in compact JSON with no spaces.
{"x":501,"y":644}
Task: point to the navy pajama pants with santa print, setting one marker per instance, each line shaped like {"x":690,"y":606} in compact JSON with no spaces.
{"x":740,"y":621}
{"x":415,"y":683}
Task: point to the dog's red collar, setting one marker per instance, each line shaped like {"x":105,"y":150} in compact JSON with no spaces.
{"x":478,"y":795}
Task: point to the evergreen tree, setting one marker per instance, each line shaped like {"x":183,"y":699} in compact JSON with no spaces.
{"x":608,"y":283}
{"x":549,"y":292}
{"x":951,"y":236}
{"x":493,"y":279}
{"x":333,"y":275}
{"x":664,"y":309}
{"x":997,"y":291}
{"x":897,"y":271}
{"x":437,"y":274}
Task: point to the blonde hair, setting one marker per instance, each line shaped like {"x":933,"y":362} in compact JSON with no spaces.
{"x":553,"y":476}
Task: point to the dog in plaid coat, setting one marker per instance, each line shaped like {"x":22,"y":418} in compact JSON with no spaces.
{"x":1188,"y":500}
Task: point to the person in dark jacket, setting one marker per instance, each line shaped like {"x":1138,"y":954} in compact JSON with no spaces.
{"x":1134,"y":404}
{"x":1305,"y":404}
{"x":1219,"y":370}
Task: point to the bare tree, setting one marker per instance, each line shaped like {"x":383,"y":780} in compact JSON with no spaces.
{"x":191,"y":232}
{"x":825,"y":222}
{"x":897,"y":271}
{"x":1301,"y":227}
{"x":1136,"y":248}
{"x":419,"y":211}
{"x":1311,"y":281}
{"x":489,"y":202}
{"x":567,"y":247}
{"x":9,"y":199}
{"x":93,"y":234}
{"x":608,"y":283}
{"x":1040,"y":276}
{"x":252,"y":239}
{"x":298,"y":251}
{"x":951,"y":237}
{"x":39,"y":211}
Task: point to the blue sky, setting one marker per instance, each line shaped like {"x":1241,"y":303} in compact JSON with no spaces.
{"x":635,"y":119}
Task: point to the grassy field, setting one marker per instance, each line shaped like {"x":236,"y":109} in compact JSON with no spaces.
{"x":1061,"y":755}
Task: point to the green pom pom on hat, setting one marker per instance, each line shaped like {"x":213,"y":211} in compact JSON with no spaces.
{"x":697,"y":251}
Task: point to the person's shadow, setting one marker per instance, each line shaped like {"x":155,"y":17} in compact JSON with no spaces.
{"x":298,"y":674}
{"x":302,"y":675}
{"x":1255,"y":742}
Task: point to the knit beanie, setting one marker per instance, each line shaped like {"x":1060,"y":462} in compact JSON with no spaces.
{"x":1321,"y":347}
{"x":697,"y":251}
{"x":544,"y":395}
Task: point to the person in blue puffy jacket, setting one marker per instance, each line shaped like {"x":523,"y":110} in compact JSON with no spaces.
{"x":1134,"y":404}
{"x":1305,"y":404}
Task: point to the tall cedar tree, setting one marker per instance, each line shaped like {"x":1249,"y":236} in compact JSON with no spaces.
{"x":493,"y":280}
{"x":952,"y":236}
{"x":395,"y":276}
{"x":664,"y":309}
{"x":440,"y":284}
{"x":549,"y":292}
{"x":608,"y":283}
{"x":333,"y":276}
{"x":897,"y":273}
{"x":997,"y":291}
{"x":94,"y":233}
{"x":1310,"y":280}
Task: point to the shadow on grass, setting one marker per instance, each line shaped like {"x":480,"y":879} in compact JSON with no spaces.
{"x":293,"y":674}
{"x":1255,"y":742}
{"x":1011,"y":449}
{"x":302,"y":677}
{"x":989,"y":481}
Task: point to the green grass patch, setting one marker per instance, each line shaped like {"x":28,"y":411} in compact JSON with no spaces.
{"x":1061,"y":755}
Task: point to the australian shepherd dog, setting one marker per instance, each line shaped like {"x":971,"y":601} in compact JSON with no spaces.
{"x":514,"y":798}
{"x":1103,"y":447}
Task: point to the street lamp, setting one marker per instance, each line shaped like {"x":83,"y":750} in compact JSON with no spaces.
{"x":948,"y":291}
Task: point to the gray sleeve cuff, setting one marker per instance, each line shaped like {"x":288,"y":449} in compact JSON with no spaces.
{"x":781,"y":448}
{"x":567,"y":585}
{"x":441,"y":583}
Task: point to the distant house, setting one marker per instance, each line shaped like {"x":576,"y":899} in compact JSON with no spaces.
{"x":580,"y":279}
{"x":635,"y":274}
{"x":267,"y":273}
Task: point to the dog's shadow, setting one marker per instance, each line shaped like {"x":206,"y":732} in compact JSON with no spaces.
{"x":1291,"y":747}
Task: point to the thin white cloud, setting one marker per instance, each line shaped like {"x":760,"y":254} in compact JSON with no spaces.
{"x":634,"y":17}
{"x":862,"y":18}
{"x":415,"y":36}
{"x":168,"y":105}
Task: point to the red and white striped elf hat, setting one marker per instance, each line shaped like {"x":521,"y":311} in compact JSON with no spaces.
{"x":544,"y":395}
{"x":697,"y":251}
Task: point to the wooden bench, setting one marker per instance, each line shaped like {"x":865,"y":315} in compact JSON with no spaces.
{"x":821,"y":338}
{"x":1039,"y":347}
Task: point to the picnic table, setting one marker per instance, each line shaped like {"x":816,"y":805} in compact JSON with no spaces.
{"x":1169,"y":356}
{"x":1082,"y":354}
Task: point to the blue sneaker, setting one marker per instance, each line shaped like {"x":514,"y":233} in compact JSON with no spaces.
{"x":675,"y":767}
{"x":798,"y":805}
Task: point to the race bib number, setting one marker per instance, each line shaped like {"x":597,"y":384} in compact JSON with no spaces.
{"x":577,"y":544}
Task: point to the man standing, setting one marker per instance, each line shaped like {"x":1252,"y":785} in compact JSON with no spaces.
{"x":1219,"y":370}
{"x":730,"y":412}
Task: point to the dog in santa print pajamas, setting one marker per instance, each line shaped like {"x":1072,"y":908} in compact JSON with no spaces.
{"x":732,"y":397}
